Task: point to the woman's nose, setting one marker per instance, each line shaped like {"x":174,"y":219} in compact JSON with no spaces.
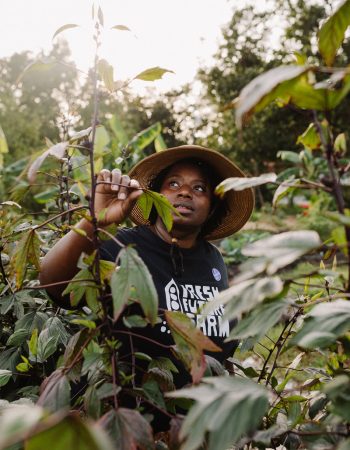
{"x":185,"y":190}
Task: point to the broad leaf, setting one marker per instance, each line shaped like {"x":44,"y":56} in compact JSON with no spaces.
{"x":16,"y":421}
{"x":27,"y":251}
{"x":332,"y":32}
{"x":132,"y":280}
{"x":55,"y":392}
{"x":155,"y":73}
{"x":337,"y":217}
{"x":241,"y":183}
{"x":69,"y":433}
{"x":145,"y":137}
{"x":80,"y":285}
{"x":80,"y":135}
{"x":226,"y":408}
{"x":159,"y":143}
{"x":5,"y":376}
{"x":163,"y":207}
{"x":244,"y":296}
{"x":285,"y":188}
{"x":287,"y":155}
{"x":261,"y":319}
{"x":265,"y":88}
{"x":282,"y":249}
{"x":106,"y":73}
{"x":310,"y":138}
{"x":190,"y":343}
{"x":58,"y":151}
{"x":102,"y":139}
{"x":63,"y":28}
{"x":324,"y":324}
{"x":40,"y":65}
{"x":128,"y":429}
{"x":118,"y":130}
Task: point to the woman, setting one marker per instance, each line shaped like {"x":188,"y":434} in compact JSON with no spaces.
{"x":187,"y":270}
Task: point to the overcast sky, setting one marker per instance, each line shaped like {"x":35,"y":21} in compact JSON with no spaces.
{"x":179,"y":35}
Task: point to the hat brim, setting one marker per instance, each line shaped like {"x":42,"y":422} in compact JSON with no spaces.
{"x":240,"y":204}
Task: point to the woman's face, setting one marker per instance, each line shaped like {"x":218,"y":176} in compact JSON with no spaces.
{"x":189,"y":191}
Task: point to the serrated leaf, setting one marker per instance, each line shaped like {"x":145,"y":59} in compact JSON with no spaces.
{"x":265,"y":88}
{"x":190,"y":343}
{"x":332,"y":32}
{"x":324,"y":324}
{"x":27,"y":251}
{"x":244,"y":296}
{"x":128,"y":429}
{"x":262,"y":318}
{"x":152,"y":74}
{"x":241,"y":183}
{"x":64,"y":28}
{"x":55,"y":392}
{"x":226,"y":408}
{"x":120,"y":27}
{"x":106,"y":73}
{"x":282,"y":249}
{"x":133,"y":273}
{"x":58,"y":151}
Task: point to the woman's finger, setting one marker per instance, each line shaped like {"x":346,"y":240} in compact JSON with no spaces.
{"x":123,"y":191}
{"x":116,"y":179}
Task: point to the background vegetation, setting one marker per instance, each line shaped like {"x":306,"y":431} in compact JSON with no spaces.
{"x":60,"y":377}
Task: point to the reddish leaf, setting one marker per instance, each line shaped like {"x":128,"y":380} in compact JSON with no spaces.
{"x":128,"y":429}
{"x":55,"y":392}
{"x":190,"y":342}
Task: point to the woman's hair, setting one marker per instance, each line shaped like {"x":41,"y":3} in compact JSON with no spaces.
{"x":218,"y":207}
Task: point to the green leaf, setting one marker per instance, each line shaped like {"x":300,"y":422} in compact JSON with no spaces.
{"x":134,"y":274}
{"x":102,"y":139}
{"x":40,"y":65}
{"x":190,"y":343}
{"x":340,"y":144}
{"x":324,"y":324}
{"x":145,"y":203}
{"x":152,"y":74}
{"x":287,"y":155}
{"x":282,"y":249}
{"x":121,"y":28}
{"x":68,"y":433}
{"x":265,"y":88}
{"x":159,"y":143}
{"x":285,"y":188}
{"x":16,"y":421}
{"x":244,"y":296}
{"x":128,"y":429}
{"x":27,"y":251}
{"x":145,"y":137}
{"x":47,"y":195}
{"x":241,"y":183}
{"x":261,"y":319}
{"x":118,"y":130}
{"x":135,"y":321}
{"x":17,"y":338}
{"x":55,"y":392}
{"x":58,"y":151}
{"x":153,"y":393}
{"x":337,"y":217}
{"x":332,"y":32}
{"x":63,"y":28}
{"x":85,"y":323}
{"x":79,"y":285}
{"x":5,"y":376}
{"x":47,"y":345}
{"x":310,"y":138}
{"x":163,"y":207}
{"x":226,"y":408}
{"x":3,"y":147}
{"x":33,"y":342}
{"x":106,"y":73}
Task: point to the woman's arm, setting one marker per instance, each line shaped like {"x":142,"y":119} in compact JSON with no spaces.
{"x":117,"y":197}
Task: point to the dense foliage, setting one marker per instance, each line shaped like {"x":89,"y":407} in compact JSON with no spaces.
{"x":60,"y":376}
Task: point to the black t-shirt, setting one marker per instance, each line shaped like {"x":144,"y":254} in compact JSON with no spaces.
{"x":204,"y":275}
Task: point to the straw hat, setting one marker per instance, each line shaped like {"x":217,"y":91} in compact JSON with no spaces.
{"x":239,"y":203}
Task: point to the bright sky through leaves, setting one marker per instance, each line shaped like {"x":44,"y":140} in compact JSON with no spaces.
{"x":179,"y":35}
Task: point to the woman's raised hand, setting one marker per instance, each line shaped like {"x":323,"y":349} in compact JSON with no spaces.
{"x":115,"y":196}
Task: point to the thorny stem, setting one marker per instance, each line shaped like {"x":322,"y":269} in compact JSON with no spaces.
{"x":263,"y":370}
{"x":337,"y":190}
{"x":114,"y":376}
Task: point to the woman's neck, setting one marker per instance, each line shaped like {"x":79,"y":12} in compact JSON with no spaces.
{"x":184,"y":238}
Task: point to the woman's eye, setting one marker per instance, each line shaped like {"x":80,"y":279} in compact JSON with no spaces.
{"x":200,"y":188}
{"x":173,"y":183}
